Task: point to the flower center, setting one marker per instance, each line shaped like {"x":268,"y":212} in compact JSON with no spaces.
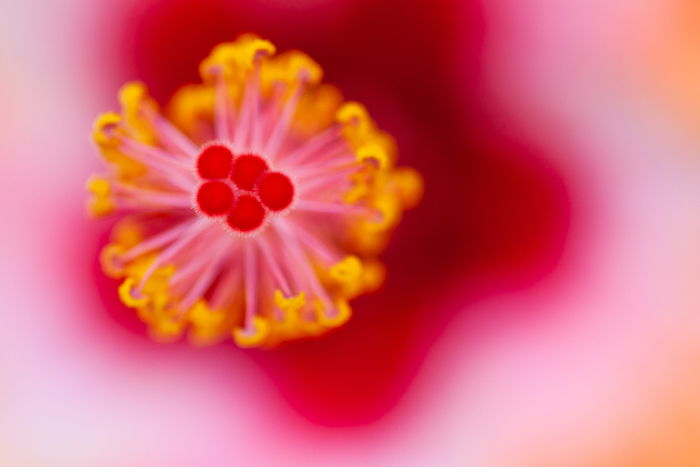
{"x":240,"y":187}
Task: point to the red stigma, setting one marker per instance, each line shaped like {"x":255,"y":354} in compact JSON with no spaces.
{"x":276,"y":191}
{"x":215,"y":198}
{"x":247,"y":214}
{"x":246,"y":170}
{"x":215,"y":162}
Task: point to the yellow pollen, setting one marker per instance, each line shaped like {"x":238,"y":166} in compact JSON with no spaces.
{"x":127,"y":296}
{"x":109,"y":260}
{"x":104,"y":128}
{"x":355,"y":114}
{"x":289,"y":305}
{"x":341,"y":316}
{"x":261,"y":329}
{"x":347,"y":271}
{"x":232,"y":59}
{"x":204,"y":317}
{"x":373,"y":152}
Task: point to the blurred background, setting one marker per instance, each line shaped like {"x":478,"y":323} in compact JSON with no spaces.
{"x":541,"y":307}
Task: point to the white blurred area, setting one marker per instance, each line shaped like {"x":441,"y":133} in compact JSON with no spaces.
{"x":601,"y":373}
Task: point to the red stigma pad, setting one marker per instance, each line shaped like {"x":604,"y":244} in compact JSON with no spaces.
{"x":247,"y":214}
{"x":276,"y":191}
{"x":214,"y":162}
{"x":247,"y":168}
{"x":215,"y":198}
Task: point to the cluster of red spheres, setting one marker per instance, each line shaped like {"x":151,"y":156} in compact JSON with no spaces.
{"x":241,"y":187}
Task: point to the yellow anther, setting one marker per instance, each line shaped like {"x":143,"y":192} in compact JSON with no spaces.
{"x":166,"y":322}
{"x":289,"y":304}
{"x":408,"y":184}
{"x":126,"y":294}
{"x":192,"y":107}
{"x":373,"y":275}
{"x":104,"y":128}
{"x":204,"y":317}
{"x":166,"y":326}
{"x":260,"y":332}
{"x":359,"y":189}
{"x":232,"y":58}
{"x":338,"y":316}
{"x":99,"y":207}
{"x":252,"y":48}
{"x":166,"y":330}
{"x":132,"y":96}
{"x":158,"y":283}
{"x":347,"y":271}
{"x":109,"y":260}
{"x":160,"y":301}
{"x":373,"y":152}
{"x":389,"y":212}
{"x":309,"y":324}
{"x":138,"y":267}
{"x":297,"y":65}
{"x":137,"y":109}
{"x":355,"y":114}
{"x":127,"y":233}
{"x":98,"y":186}
{"x":101,"y":202}
{"x":316,"y":109}
{"x":134,"y":100}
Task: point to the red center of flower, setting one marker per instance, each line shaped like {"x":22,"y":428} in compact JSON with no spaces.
{"x":247,"y":214}
{"x":215,"y":198}
{"x":276,"y":191}
{"x":247,"y":168}
{"x":254,"y":193}
{"x":214,"y":162}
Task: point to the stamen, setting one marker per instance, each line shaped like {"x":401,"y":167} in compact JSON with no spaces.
{"x":228,"y":286}
{"x":318,"y":247}
{"x":308,"y":148}
{"x":251,"y":279}
{"x":300,"y":258}
{"x":163,"y":199}
{"x":256,"y":123}
{"x":338,"y":179}
{"x":173,"y":138}
{"x":322,"y":207}
{"x":343,"y":160}
{"x":245,"y":122}
{"x":280,"y":130}
{"x":223,"y":109}
{"x":266,"y":250}
{"x":161,"y":162}
{"x":203,"y":281}
{"x":171,"y":251}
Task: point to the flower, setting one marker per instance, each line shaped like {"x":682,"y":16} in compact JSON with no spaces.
{"x":256,"y":208}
